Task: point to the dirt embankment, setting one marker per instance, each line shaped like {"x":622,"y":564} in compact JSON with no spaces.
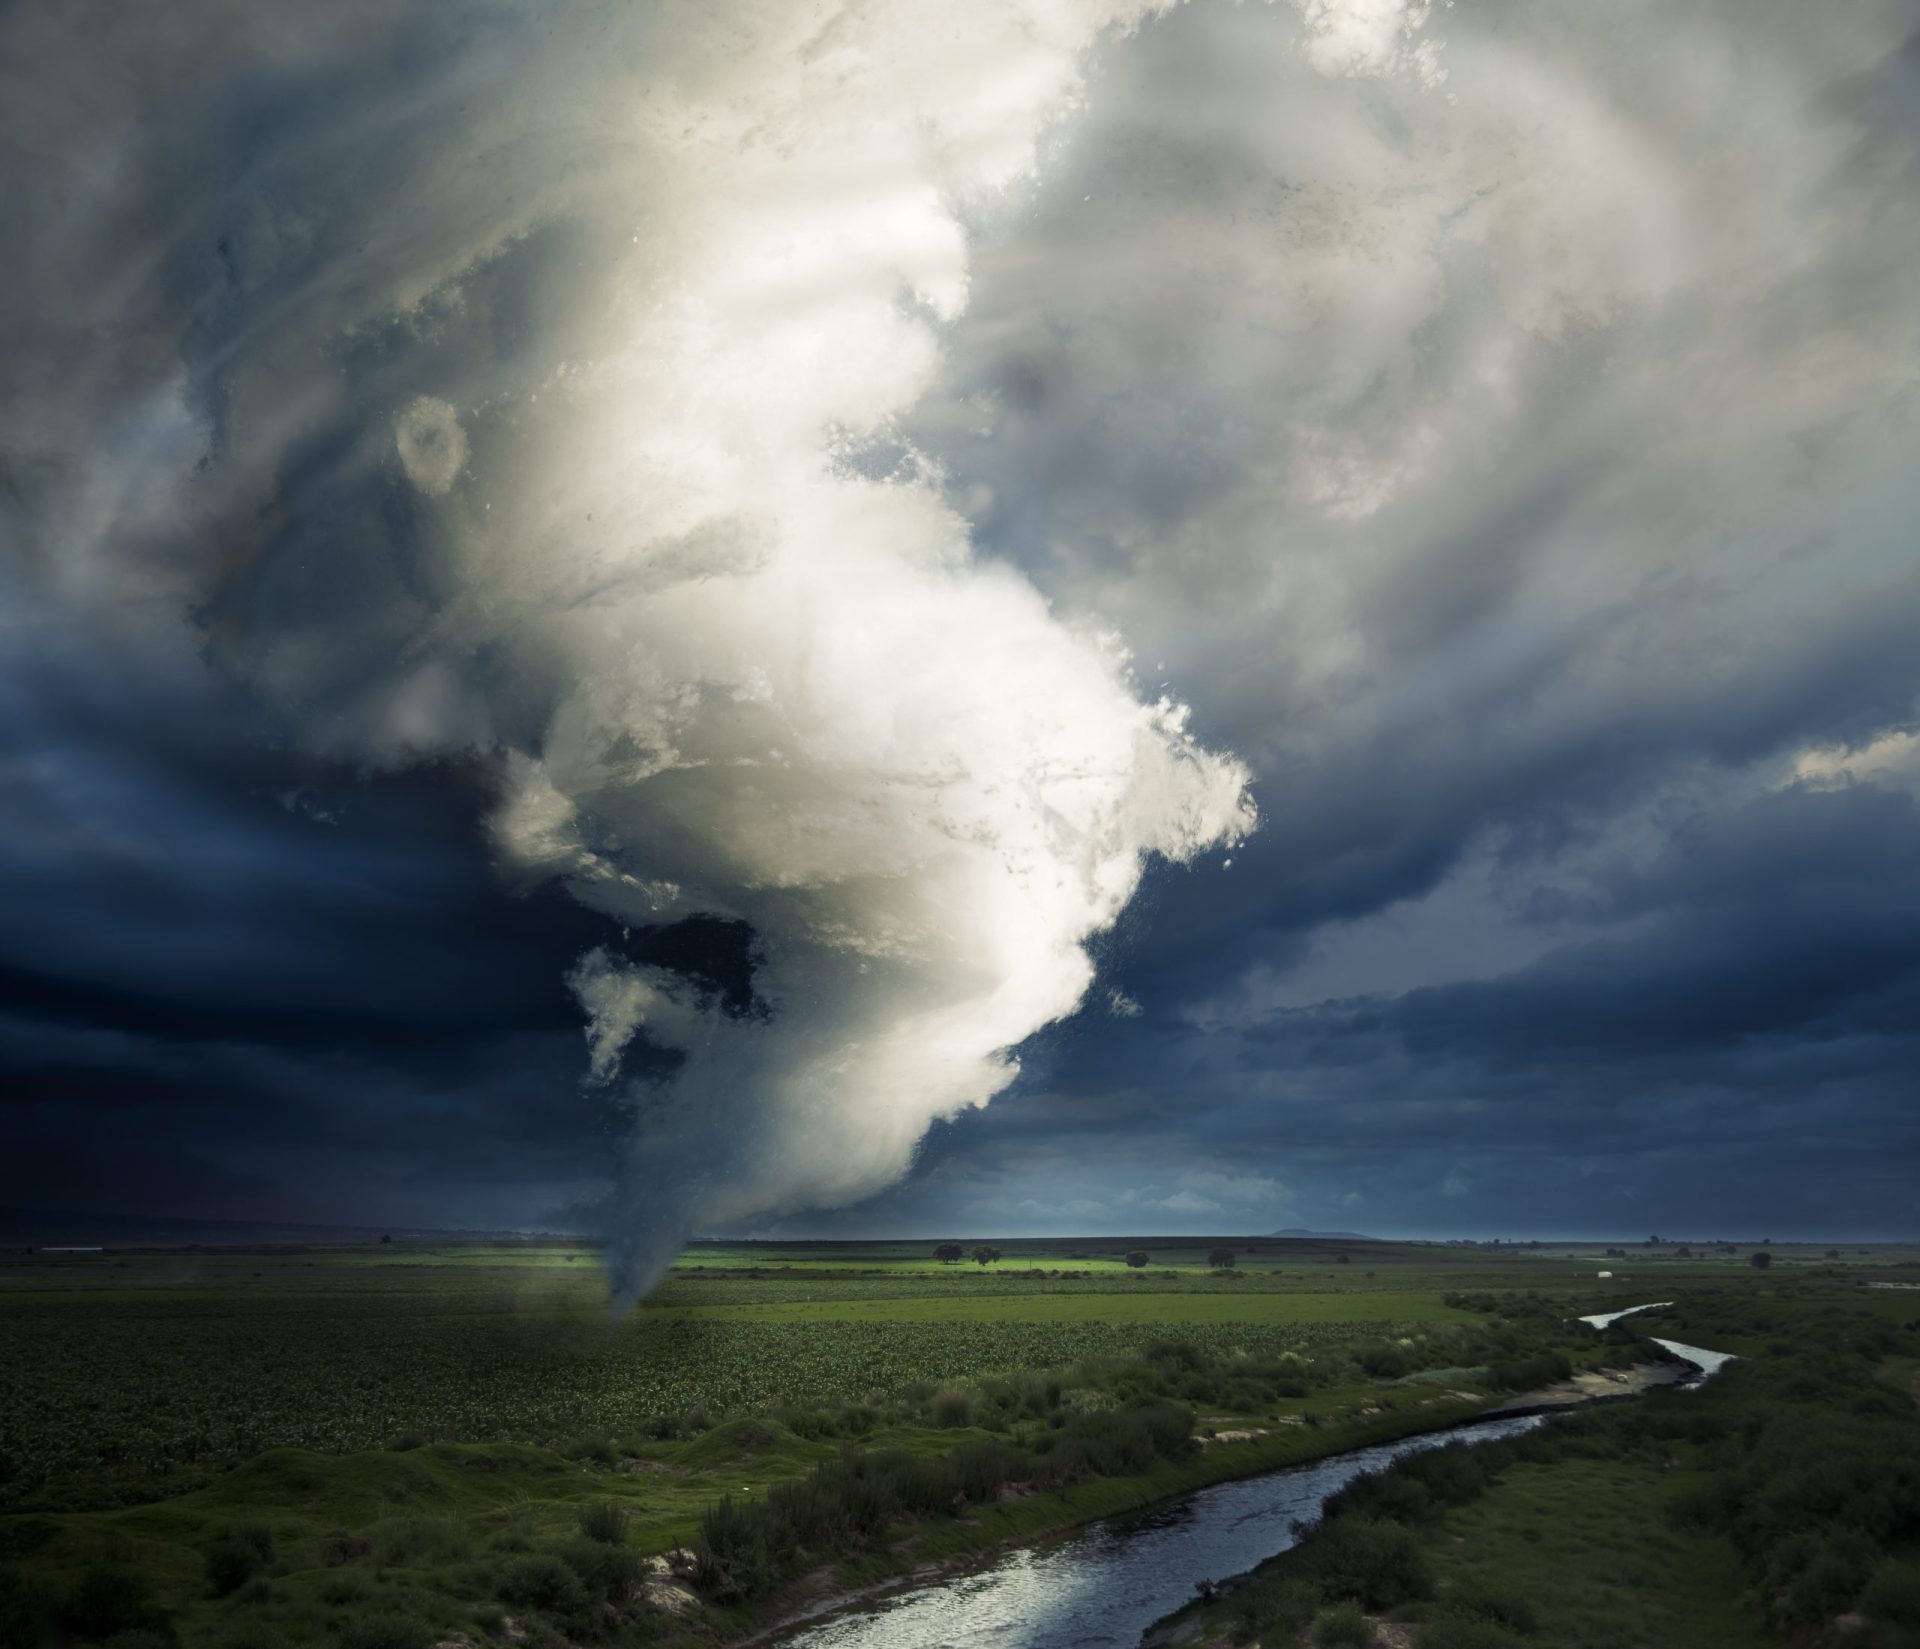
{"x":1597,"y":1384}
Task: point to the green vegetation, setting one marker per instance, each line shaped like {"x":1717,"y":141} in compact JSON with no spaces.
{"x":1780,"y":1503}
{"x":400,"y":1446}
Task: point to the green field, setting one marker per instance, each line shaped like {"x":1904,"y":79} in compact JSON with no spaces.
{"x":135,"y":1374}
{"x":393,"y":1422}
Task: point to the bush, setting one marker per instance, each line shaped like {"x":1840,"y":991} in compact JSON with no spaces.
{"x":541,"y":1581}
{"x":109,"y":1598}
{"x":595,"y":1446}
{"x":605,"y":1521}
{"x":141,"y":1637}
{"x":1817,"y":1575}
{"x":1345,"y":1626}
{"x":339,"y":1547}
{"x":388,"y":1629}
{"x":1376,"y":1564}
{"x":1544,"y":1368}
{"x":952,"y":1409}
{"x":1384,"y":1362}
{"x":1492,"y":1607}
{"x":235,"y":1557}
{"x":342,"y":1589}
{"x":1893,"y":1595}
{"x":1468,"y":1634}
{"x":27,"y":1608}
{"x":411,"y":1542}
{"x":610,"y":1574}
{"x":1272,"y":1606}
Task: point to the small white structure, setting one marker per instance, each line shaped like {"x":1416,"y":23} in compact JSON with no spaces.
{"x":1603,"y":1274}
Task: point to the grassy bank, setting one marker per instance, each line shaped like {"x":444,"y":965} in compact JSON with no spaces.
{"x":1778,"y":1504}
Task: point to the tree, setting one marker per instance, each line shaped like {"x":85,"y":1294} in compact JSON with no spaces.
{"x":1762,"y":1260}
{"x":948,"y":1252}
{"x":986,"y":1255}
{"x":1221,"y":1259}
{"x":1136,"y":1259}
{"x":1346,"y":1259}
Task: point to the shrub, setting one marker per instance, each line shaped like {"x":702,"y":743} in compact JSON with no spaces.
{"x":387,"y":1629}
{"x":1384,"y":1362}
{"x":1272,"y":1607}
{"x":541,"y":1581}
{"x":142,"y":1637}
{"x":1468,"y":1634}
{"x":1492,"y":1607}
{"x":1816,"y":1576}
{"x":1377,"y":1564}
{"x":410,"y":1542}
{"x":109,"y":1598}
{"x":234,"y":1558}
{"x":1893,"y":1595}
{"x":1390,"y":1496}
{"x":516,"y":1533}
{"x":1544,"y":1368}
{"x":608,"y":1573}
{"x":338,"y":1547}
{"x":952,"y":1409}
{"x":1344,"y":1626}
{"x":604,"y":1520}
{"x":596,"y":1446}
{"x":27,"y":1608}
{"x":341,"y":1589}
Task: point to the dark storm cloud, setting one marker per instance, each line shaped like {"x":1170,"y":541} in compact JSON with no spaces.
{"x":468,"y":389}
{"x":241,"y":983}
{"x":1496,"y":421}
{"x":1731,"y":1046}
{"x":1513,"y":467}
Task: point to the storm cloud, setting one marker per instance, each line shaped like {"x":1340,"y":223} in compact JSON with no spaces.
{"x":496,"y":401}
{"x":705,"y":525}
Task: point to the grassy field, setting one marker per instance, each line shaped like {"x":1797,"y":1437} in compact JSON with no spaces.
{"x":430,"y":1411}
{"x":1589,"y":1543}
{"x":130,"y":1375}
{"x":124,"y":1376}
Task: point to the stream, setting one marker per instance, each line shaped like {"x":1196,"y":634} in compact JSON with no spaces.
{"x":1107,"y":1583}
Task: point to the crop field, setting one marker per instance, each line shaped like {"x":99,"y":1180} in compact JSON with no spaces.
{"x":134,"y":1375}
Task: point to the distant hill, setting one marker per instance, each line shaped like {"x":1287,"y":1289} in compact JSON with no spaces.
{"x":1322,"y":1236}
{"x":67,"y":1227}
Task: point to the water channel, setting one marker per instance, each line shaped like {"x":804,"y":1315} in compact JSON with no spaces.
{"x":1107,"y":1583}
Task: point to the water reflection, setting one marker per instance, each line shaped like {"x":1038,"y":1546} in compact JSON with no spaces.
{"x":1709,"y":1363}
{"x":1106,"y":1585}
{"x":1600,"y":1319}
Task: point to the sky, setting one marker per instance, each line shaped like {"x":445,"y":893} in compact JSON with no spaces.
{"x":1058,"y":616}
